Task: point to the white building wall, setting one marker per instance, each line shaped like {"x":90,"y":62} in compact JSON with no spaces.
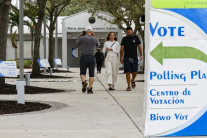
{"x":10,"y":51}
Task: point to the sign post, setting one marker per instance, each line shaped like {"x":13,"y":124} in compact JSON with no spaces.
{"x":177,"y":68}
{"x":21,"y":83}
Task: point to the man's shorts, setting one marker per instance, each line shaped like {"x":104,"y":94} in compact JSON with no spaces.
{"x":87,"y":61}
{"x":130,"y":64}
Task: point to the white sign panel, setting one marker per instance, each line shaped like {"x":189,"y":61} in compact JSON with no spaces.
{"x":8,"y":69}
{"x":177,"y":73}
{"x":57,"y":62}
{"x":43,"y":63}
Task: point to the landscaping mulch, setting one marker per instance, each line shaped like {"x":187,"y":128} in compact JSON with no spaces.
{"x":61,"y":71}
{"x":55,"y":71}
{"x":41,"y":76}
{"x":46,"y":76}
{"x":10,"y":107}
{"x":11,"y":89}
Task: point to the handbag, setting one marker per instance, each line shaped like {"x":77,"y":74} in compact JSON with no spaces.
{"x":110,"y":47}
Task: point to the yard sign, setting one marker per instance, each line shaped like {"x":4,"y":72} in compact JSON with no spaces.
{"x":176,"y":68}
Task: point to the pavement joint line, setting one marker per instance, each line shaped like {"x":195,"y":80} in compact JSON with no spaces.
{"x":121,"y":107}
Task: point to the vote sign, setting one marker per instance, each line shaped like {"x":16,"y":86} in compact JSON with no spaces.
{"x":177,"y":71}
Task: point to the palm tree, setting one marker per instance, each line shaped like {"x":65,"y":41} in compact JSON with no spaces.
{"x":14,"y":22}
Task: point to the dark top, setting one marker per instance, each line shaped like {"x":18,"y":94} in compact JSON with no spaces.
{"x":99,"y":56}
{"x":130,"y":46}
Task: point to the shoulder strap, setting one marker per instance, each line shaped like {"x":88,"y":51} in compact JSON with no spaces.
{"x":113,"y":44}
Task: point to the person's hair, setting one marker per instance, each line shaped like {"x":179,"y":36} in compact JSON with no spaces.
{"x":108,"y":37}
{"x":129,"y":28}
{"x":98,"y":49}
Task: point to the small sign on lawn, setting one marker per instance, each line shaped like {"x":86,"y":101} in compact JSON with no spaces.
{"x":8,"y":69}
{"x":43,"y":63}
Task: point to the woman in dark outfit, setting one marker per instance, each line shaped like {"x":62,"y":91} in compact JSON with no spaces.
{"x":99,"y":60}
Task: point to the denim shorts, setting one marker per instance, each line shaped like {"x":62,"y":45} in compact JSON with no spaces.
{"x":130,"y":64}
{"x":87,"y":61}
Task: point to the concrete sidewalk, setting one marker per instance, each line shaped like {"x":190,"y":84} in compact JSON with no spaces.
{"x":104,"y":114}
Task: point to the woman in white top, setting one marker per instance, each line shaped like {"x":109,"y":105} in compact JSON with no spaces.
{"x":112,"y":47}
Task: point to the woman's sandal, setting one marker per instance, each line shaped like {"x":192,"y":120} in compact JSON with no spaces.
{"x":133,"y":84}
{"x":128,"y":89}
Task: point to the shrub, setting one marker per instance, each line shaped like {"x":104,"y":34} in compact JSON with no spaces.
{"x":27,"y":63}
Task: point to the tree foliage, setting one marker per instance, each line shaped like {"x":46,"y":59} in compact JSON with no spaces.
{"x":124,"y":12}
{"x":14,"y":22}
{"x":74,"y":7}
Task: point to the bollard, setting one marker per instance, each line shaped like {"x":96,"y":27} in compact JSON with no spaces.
{"x":20,"y":92}
{"x":67,"y":68}
{"x":27,"y":79}
{"x":51,"y":69}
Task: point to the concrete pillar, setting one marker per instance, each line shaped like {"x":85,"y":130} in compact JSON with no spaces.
{"x":20,"y":92}
{"x":64,"y":45}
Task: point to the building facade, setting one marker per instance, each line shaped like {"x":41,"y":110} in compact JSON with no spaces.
{"x":72,"y":27}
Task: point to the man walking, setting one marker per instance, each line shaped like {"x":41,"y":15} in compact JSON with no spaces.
{"x":88,"y":43}
{"x":129,"y":46}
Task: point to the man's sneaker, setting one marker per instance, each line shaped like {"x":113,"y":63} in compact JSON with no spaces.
{"x":84,"y":86}
{"x":111,"y":89}
{"x":89,"y":91}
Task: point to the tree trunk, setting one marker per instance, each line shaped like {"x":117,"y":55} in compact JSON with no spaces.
{"x":37,"y":36}
{"x":51,"y":43}
{"x":4,"y":18}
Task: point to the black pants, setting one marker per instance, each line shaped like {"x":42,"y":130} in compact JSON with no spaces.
{"x":99,"y":65}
